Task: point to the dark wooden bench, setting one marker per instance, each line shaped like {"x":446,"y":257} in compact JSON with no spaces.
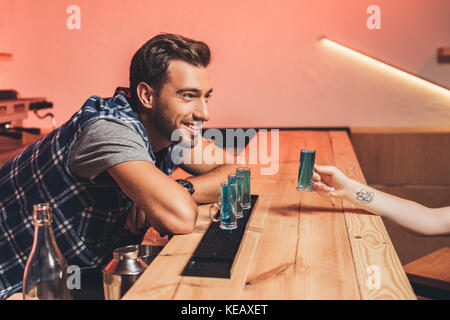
{"x":430,"y":275}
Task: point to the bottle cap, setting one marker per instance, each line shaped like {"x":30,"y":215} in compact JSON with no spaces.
{"x":42,"y":213}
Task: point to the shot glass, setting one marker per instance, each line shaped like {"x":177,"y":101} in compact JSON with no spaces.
{"x":244,"y":172}
{"x":306,"y":169}
{"x":234,"y":179}
{"x":226,"y":204}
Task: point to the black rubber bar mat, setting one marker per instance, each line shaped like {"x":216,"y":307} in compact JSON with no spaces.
{"x":215,"y":254}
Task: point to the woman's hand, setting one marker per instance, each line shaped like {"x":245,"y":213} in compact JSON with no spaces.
{"x":329,"y":181}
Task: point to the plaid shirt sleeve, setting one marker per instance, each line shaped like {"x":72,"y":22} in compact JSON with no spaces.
{"x":88,"y":217}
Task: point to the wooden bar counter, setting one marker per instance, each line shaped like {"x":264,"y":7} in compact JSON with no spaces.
{"x":298,"y":245}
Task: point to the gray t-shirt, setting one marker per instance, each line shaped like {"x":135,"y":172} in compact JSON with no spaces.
{"x":103,"y":144}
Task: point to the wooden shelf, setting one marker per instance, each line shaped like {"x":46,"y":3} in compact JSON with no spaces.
{"x":5,"y":56}
{"x":443,"y":55}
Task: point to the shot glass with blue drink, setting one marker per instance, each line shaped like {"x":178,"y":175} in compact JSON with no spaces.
{"x":235,"y":179}
{"x":306,"y":169}
{"x":226,"y":204}
{"x":244,"y":172}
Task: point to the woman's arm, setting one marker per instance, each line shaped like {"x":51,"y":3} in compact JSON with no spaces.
{"x":409,"y":214}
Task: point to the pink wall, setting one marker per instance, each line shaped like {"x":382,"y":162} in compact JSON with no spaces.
{"x":268,"y":68}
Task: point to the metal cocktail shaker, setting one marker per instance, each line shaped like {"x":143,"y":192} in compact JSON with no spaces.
{"x":148,"y":253}
{"x":122,"y":272}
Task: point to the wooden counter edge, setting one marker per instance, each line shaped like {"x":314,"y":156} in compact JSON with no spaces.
{"x":399,"y":287}
{"x":398,"y":130}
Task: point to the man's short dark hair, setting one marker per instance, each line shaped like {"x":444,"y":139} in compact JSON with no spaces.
{"x":150,"y":62}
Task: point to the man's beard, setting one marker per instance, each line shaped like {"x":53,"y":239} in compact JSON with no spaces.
{"x":163,"y":123}
{"x":166,"y":124}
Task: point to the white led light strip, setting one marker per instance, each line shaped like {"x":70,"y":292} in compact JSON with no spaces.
{"x":385,"y":66}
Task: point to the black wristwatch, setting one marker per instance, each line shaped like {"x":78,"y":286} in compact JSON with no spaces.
{"x":187,"y":185}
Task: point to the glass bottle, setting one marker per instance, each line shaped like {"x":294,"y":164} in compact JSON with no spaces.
{"x":45,"y":276}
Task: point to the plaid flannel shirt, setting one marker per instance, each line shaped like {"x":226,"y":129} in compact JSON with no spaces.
{"x":88,"y":217}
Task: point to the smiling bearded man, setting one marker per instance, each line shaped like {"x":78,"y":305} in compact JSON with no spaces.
{"x":105,"y":172}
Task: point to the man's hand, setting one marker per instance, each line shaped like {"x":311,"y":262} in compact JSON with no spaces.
{"x":137,"y":223}
{"x":329,"y":181}
{"x":136,"y":220}
{"x":208,"y":174}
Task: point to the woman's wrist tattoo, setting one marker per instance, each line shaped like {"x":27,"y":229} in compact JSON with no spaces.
{"x":365,"y":196}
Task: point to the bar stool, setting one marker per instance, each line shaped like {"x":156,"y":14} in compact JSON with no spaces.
{"x":430,"y":275}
